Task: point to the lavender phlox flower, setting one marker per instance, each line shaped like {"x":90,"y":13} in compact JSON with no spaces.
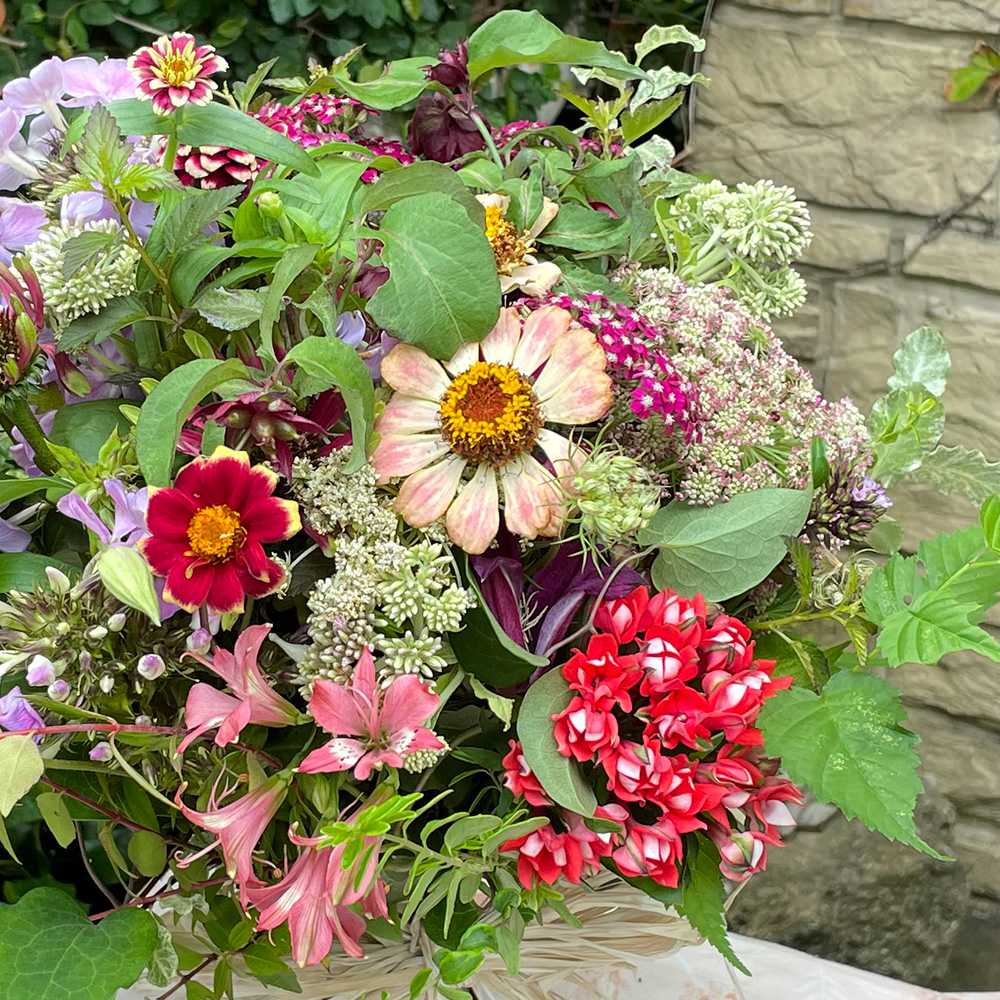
{"x":129,"y":514}
{"x":42,"y":90}
{"x":20,"y":223}
{"x":16,"y":713}
{"x":89,"y":82}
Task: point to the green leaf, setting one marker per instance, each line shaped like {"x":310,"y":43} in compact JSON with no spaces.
{"x":402,"y":81}
{"x":231,"y":309}
{"x":559,"y":775}
{"x":163,"y":965}
{"x":291,"y":265}
{"x":181,"y":220}
{"x":135,"y":117}
{"x":265,"y":963}
{"x":20,"y":767}
{"x":417,"y":179}
{"x":577,"y":281}
{"x":659,"y":35}
{"x":578,"y":227}
{"x":456,"y":967}
{"x":934,"y":625}
{"x":483,"y":648}
{"x":49,"y":950}
{"x":334,"y":364}
{"x":15,"y":489}
{"x":216,"y":124}
{"x":327,"y":198}
{"x":85,"y":427}
{"x":905,"y":425}
{"x":502,"y":708}
{"x":661,"y":84}
{"x":922,"y":359}
{"x":989,"y":520}
{"x":703,"y":897}
{"x":52,"y":806}
{"x":26,"y":570}
{"x":168,"y":406}
{"x":724,"y":550}
{"x":635,"y":124}
{"x":513,"y":36}
{"x":93,"y":329}
{"x":79,"y":251}
{"x":847,"y":743}
{"x":886,"y":537}
{"x":482,"y":174}
{"x":959,"y":471}
{"x":443,"y":288}
{"x":148,"y":852}
{"x":795,"y":657}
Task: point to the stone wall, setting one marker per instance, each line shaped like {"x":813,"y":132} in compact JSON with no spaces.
{"x":843,"y":100}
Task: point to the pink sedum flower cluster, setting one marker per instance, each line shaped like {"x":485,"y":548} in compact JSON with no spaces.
{"x":664,"y":701}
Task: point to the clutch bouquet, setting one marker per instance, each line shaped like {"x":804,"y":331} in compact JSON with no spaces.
{"x":424,"y":570}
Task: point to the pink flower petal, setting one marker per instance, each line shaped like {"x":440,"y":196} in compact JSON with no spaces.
{"x":425,"y":496}
{"x":403,"y":454}
{"x":500,"y":343}
{"x":410,"y":371}
{"x":408,"y":415}
{"x":337,"y":755}
{"x":573,"y":387}
{"x":522,"y":500}
{"x":542,"y":329}
{"x":337,"y":710}
{"x":408,"y":703}
{"x":474,"y":518}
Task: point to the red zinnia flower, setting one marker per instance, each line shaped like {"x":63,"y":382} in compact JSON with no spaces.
{"x":206,"y":532}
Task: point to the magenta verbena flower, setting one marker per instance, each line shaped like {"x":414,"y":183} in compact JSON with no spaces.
{"x":175,"y":71}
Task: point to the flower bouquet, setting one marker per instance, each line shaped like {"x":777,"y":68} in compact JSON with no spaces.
{"x":424,"y":570}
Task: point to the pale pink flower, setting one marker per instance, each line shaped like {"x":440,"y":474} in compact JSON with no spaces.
{"x":237,"y":826}
{"x":485,"y":411}
{"x":384,"y":727}
{"x":175,"y":71}
{"x":252,"y":699}
{"x":315,"y":897}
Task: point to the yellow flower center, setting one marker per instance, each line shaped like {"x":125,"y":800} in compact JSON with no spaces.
{"x":215,"y":532}
{"x":509,"y":247}
{"x":178,"y":68}
{"x":489,"y":413}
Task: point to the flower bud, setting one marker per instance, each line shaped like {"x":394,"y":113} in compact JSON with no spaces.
{"x":271,"y":205}
{"x":101,"y":751}
{"x":63,"y":628}
{"x":58,"y":690}
{"x":106,"y":683}
{"x":41,"y":672}
{"x":151,"y":666}
{"x":85,"y":660}
{"x":117,"y":622}
{"x":199,"y":640}
{"x":97,"y":633}
{"x":127,"y":575}
{"x":58,"y":581}
{"x":143,"y":720}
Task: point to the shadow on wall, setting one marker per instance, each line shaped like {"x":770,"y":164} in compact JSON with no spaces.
{"x":844,"y":101}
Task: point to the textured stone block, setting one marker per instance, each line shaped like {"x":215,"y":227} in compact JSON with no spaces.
{"x":964,"y":685}
{"x":794,"y":6}
{"x":849,"y":118}
{"x":957,"y":256}
{"x":865,"y":334}
{"x":843,"y":241}
{"x":940,"y":15}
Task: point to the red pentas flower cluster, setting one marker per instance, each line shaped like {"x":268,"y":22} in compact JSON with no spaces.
{"x":665,"y":700}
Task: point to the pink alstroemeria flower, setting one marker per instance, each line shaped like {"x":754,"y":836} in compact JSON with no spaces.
{"x":252,"y":699}
{"x":387,"y":726}
{"x":315,"y":897}
{"x":238,"y":826}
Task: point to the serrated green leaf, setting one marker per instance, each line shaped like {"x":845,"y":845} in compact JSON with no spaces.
{"x":959,"y":471}
{"x":989,"y":520}
{"x":49,"y":949}
{"x":79,"y":251}
{"x":922,"y":359}
{"x":559,"y":775}
{"x":20,"y":767}
{"x":794,"y":657}
{"x":727,"y":549}
{"x":168,"y":406}
{"x":703,"y":897}
{"x":95,"y":328}
{"x":848,"y":745}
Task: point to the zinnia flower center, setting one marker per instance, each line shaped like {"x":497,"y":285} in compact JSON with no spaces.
{"x":509,"y":247}
{"x":489,"y":413}
{"x":178,"y":68}
{"x":215,"y":532}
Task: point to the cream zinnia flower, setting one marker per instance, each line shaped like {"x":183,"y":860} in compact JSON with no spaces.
{"x":486,"y":410}
{"x":514,"y":251}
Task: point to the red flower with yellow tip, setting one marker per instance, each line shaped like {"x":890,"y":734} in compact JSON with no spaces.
{"x":207,"y":530}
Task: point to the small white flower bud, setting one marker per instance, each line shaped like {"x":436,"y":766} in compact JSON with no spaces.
{"x":41,"y":672}
{"x":85,"y":659}
{"x":106,"y":683}
{"x":58,"y":690}
{"x":151,"y":666}
{"x":117,"y":622}
{"x":58,"y":580}
{"x":63,"y":628}
{"x":97,"y":633}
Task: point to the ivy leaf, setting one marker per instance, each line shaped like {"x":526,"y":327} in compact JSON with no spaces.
{"x":559,"y":775}
{"x":959,"y":471}
{"x":334,"y":364}
{"x":168,"y":406}
{"x":922,"y":359}
{"x":163,"y":965}
{"x":703,"y":897}
{"x":443,"y":288}
{"x":514,"y":36}
{"x":49,"y":950}
{"x":905,"y":426}
{"x":847,"y":743}
{"x":934,"y":625}
{"x":659,"y":35}
{"x":724,"y":550}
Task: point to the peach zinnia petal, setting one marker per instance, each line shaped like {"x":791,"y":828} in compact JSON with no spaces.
{"x":566,"y":456}
{"x":408,"y":370}
{"x":499,"y":344}
{"x":425,"y":496}
{"x":542,"y":329}
{"x":474,"y":517}
{"x":573,"y":388}
{"x":464,"y":358}
{"x":403,"y":454}
{"x":523,"y":501}
{"x":407,"y":415}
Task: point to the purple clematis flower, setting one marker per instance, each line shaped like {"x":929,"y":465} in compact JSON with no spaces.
{"x":16,"y":713}
{"x":90,"y":82}
{"x":20,"y":224}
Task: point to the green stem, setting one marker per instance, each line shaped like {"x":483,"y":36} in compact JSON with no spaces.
{"x":27,"y":423}
{"x":170,"y":153}
{"x":487,"y":138}
{"x":803,"y":616}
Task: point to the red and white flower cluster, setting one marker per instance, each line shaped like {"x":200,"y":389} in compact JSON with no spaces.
{"x":664,"y":706}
